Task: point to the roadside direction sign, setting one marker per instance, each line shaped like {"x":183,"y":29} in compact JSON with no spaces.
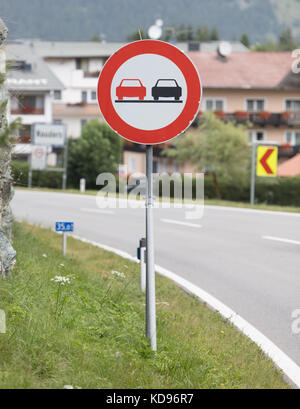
{"x":49,"y":134}
{"x":38,"y":157}
{"x":266,"y":160}
{"x":64,"y":226}
{"x":149,"y":92}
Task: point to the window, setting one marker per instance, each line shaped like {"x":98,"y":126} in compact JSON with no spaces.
{"x":82,"y":64}
{"x":93,"y":95}
{"x":255,"y":105}
{"x":256,"y":136}
{"x":27,"y":104}
{"x":57,"y":95}
{"x":292,"y":138}
{"x":214,"y":105}
{"x":84,"y":96}
{"x":292,"y":105}
{"x":131,"y":164}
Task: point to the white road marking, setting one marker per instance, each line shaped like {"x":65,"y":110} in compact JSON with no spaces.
{"x":181,"y":223}
{"x":281,"y":239}
{"x":283,"y":361}
{"x":101,"y":211}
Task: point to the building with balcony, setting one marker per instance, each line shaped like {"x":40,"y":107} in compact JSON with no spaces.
{"x":31,"y":86}
{"x":255,"y":87}
{"x":77,"y":65}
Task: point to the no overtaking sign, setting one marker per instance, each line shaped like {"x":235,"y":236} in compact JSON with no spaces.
{"x":149,"y":92}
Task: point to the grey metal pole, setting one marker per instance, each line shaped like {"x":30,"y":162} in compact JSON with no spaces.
{"x":253,"y":171}
{"x":30,"y":170}
{"x":30,"y":178}
{"x":142,"y":264}
{"x":64,"y":181}
{"x":64,"y":243}
{"x":150,"y":272}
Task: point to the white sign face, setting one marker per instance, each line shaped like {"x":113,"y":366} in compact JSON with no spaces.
{"x":49,"y":134}
{"x":38,"y":157}
{"x":160,"y":91}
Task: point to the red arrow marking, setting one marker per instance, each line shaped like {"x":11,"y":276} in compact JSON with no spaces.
{"x":264,"y":159}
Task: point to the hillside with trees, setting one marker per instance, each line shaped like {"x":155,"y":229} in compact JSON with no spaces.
{"x":261,"y":20}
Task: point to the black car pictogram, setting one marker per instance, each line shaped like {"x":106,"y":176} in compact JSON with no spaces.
{"x":166,"y":88}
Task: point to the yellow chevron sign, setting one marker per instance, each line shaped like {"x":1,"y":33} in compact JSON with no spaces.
{"x":266,"y":164}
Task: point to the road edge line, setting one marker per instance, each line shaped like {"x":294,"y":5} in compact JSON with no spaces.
{"x":280,"y":359}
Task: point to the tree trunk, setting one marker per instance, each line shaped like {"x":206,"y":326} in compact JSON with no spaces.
{"x":216,"y":183}
{"x":7,"y":253}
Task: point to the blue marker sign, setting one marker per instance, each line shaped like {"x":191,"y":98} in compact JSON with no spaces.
{"x":64,"y":226}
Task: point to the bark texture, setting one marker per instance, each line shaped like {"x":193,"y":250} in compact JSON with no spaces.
{"x":7,"y":253}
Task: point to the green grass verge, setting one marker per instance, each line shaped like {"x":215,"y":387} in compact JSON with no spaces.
{"x":212,"y":202}
{"x":90,"y":333}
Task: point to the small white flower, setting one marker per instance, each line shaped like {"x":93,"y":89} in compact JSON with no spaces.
{"x":45,"y":255}
{"x":62,"y":280}
{"x":61,"y":265}
{"x":117,"y":273}
{"x":68,"y":387}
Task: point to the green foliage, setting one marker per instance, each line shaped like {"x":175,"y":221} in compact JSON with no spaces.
{"x":202,"y":34}
{"x":98,"y":150}
{"x":245,"y":40}
{"x":20,"y":169}
{"x":92,"y":336}
{"x":95,"y":38}
{"x":137,"y":35}
{"x":214,"y":35}
{"x":217,"y":147}
{"x":285,"y":42}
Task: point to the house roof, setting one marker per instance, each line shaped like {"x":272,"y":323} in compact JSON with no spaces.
{"x":35,"y":77}
{"x":82,"y":49}
{"x":243,"y":70}
{"x":290,"y":167}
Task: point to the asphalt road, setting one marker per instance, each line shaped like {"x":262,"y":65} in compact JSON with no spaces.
{"x":226,"y":252}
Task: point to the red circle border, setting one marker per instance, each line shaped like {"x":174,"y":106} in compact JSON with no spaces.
{"x":189,"y":112}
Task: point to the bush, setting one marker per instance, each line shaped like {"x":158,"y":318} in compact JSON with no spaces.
{"x":98,"y":150}
{"x":43,"y":178}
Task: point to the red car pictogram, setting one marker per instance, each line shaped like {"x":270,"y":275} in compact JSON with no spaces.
{"x":131,"y":88}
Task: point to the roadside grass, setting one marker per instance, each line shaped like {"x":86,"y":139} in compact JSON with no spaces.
{"x":209,"y":202}
{"x":90,"y":333}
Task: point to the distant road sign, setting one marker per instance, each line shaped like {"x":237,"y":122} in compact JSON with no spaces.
{"x":38,"y":157}
{"x":49,"y":134}
{"x":149,"y":92}
{"x":266,"y":161}
{"x":64,"y":226}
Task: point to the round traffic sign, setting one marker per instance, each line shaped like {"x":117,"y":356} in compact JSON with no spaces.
{"x":149,"y":92}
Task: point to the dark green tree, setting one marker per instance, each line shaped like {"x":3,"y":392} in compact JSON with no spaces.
{"x":213,"y":147}
{"x":214,"y":35}
{"x":98,"y":150}
{"x":167,"y":34}
{"x":245,"y":40}
{"x":136,"y":35}
{"x":181,"y":33}
{"x":286,"y":41}
{"x":190,"y":33}
{"x":95,"y":38}
{"x":202,"y":34}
